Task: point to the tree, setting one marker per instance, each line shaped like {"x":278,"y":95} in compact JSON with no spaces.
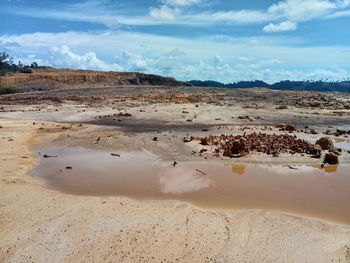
{"x":4,"y":58}
{"x":34,"y":65}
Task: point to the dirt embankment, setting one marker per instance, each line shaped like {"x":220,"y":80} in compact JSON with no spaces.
{"x":43,"y":79}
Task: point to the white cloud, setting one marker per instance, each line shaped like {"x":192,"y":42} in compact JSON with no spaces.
{"x":224,"y":60}
{"x":340,"y":14}
{"x":164,"y":13}
{"x":301,"y":10}
{"x":241,"y":16}
{"x":175,"y":12}
{"x":281,"y":27}
{"x":62,"y":57}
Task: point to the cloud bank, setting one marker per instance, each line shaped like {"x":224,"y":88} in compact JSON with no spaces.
{"x":217,"y":58}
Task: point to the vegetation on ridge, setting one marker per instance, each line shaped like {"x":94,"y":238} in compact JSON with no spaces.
{"x":7,"y":65}
{"x":324,"y":86}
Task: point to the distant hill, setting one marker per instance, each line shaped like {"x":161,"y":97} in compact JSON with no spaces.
{"x":323,"y":86}
{"x":48,"y":78}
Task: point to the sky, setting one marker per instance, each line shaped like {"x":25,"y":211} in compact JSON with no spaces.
{"x":222,"y":40}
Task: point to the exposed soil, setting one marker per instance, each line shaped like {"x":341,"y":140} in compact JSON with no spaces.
{"x":41,"y":225}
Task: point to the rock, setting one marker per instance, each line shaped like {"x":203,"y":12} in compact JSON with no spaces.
{"x":97,"y":140}
{"x":289,"y":128}
{"x":49,"y":156}
{"x":121,"y":114}
{"x":325,"y":143}
{"x":282,"y":107}
{"x":339,"y":132}
{"x":331,"y":158}
{"x":204,"y":141}
{"x":314,"y":151}
{"x":115,"y":154}
{"x":237,"y":147}
{"x":69,"y":167}
{"x":155,"y":139}
{"x":312,"y":131}
{"x":187,"y":139}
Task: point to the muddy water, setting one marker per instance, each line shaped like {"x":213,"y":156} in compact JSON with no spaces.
{"x":309,"y":191}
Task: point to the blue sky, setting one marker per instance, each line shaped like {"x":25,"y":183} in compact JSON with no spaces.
{"x":188,"y":39}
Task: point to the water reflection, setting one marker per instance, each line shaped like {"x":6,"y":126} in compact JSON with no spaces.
{"x":183,"y":180}
{"x":328,"y":169}
{"x":237,"y":168}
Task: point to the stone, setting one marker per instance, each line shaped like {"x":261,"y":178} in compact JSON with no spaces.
{"x":186,"y":139}
{"x":237,"y":147}
{"x":331,"y":158}
{"x":325,"y":143}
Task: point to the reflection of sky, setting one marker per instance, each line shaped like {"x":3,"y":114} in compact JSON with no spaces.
{"x":313,"y":138}
{"x":286,"y":170}
{"x":183,"y":180}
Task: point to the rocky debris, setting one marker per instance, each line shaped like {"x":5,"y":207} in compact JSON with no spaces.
{"x":97,"y":140}
{"x":282,"y":107}
{"x":315,"y":151}
{"x":246,"y":117}
{"x":312,"y":131}
{"x":200,"y":171}
{"x":204,"y":141}
{"x":55,"y":97}
{"x":121,"y":114}
{"x":187,"y":139}
{"x":8,"y":138}
{"x":319,"y":101}
{"x":340,"y":132}
{"x":49,"y":156}
{"x":288,"y":127}
{"x":331,"y":158}
{"x":241,"y":145}
{"x":325,"y":143}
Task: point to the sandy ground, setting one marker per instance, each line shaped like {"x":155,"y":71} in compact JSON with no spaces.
{"x":40,"y":225}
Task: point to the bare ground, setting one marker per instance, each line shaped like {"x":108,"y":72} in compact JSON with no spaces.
{"x":40,"y":225}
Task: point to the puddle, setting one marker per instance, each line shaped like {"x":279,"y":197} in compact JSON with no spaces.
{"x":338,"y":142}
{"x":310,"y":191}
